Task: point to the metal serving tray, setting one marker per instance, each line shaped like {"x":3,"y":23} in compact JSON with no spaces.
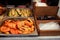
{"x":21,"y":35}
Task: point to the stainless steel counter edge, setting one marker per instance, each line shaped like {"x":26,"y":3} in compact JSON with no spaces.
{"x":31,"y":38}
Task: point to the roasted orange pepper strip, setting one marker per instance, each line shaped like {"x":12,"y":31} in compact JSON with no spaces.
{"x":15,"y":31}
{"x":11,"y":25}
{"x":28,"y":23}
{"x":4,"y":29}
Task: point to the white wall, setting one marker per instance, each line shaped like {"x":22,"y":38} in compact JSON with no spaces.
{"x":36,"y":0}
{"x":59,"y":3}
{"x":59,"y":9}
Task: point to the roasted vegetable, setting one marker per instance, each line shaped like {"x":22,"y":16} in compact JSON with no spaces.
{"x":13,"y":13}
{"x":17,"y":27}
{"x":19,"y":12}
{"x":4,"y":29}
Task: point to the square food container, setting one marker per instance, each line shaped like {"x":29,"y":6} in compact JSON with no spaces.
{"x":35,"y":33}
{"x":19,"y":12}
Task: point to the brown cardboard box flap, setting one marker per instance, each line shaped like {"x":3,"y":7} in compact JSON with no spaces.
{"x":49,"y":10}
